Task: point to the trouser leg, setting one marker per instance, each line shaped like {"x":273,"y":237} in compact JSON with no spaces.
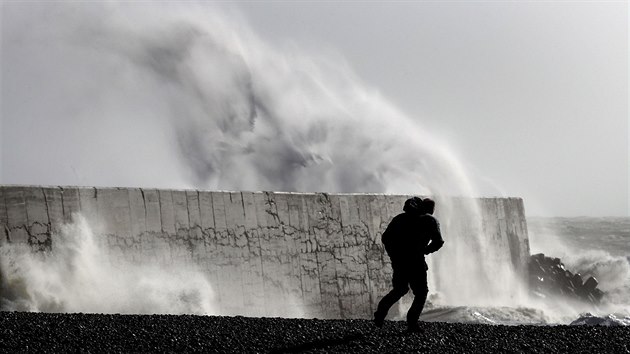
{"x":388,"y":301}
{"x":399,"y":281}
{"x":420,"y":290}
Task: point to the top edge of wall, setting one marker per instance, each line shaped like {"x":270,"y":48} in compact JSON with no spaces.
{"x":246,"y":191}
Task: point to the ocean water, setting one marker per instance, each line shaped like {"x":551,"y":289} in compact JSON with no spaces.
{"x":608,"y":234}
{"x":591,"y":246}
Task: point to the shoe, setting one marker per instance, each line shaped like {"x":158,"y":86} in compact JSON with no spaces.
{"x":378,"y":320}
{"x":413,"y":328}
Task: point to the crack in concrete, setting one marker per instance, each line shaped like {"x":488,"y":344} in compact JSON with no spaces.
{"x":191,"y":247}
{"x":144,"y":203}
{"x":63,"y":207}
{"x":7,"y":234}
{"x":159,"y":197}
{"x":48,"y":225}
{"x":270,"y":210}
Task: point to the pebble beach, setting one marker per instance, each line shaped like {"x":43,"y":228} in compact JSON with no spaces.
{"x":95,"y":333}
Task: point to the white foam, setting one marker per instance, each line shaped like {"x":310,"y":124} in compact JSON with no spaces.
{"x":79,"y":275}
{"x":588,"y":319}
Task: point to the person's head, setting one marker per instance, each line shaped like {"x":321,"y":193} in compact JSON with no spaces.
{"x":428,"y":206}
{"x":413,"y":205}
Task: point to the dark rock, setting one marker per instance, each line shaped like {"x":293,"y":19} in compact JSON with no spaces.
{"x":590,"y":284}
{"x":576,"y":280}
{"x":539,"y":257}
{"x":549,"y":277}
{"x":597,"y":295}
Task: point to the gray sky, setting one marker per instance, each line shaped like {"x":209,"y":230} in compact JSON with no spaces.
{"x":532,"y":95}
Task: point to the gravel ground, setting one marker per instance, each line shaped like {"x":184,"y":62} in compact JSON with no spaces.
{"x":43,"y":332}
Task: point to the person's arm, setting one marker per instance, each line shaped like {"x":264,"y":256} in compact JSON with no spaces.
{"x":435,"y":235}
{"x":389,"y":237}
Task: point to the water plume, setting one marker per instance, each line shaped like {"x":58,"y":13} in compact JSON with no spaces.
{"x":233,"y":112}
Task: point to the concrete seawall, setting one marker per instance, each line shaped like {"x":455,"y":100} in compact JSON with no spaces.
{"x":260,"y":250}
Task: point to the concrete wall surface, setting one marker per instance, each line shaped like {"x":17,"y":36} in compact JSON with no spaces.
{"x":323,"y":250}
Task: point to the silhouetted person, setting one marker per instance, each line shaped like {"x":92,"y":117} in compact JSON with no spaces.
{"x":408,"y":238}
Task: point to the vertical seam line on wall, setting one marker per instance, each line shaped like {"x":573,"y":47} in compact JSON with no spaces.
{"x":144,"y":202}
{"x":49,"y":223}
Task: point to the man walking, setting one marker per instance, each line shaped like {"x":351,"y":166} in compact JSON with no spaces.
{"x":408,"y":238}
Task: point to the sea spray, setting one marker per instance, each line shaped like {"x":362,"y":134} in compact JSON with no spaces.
{"x":80,"y":274}
{"x":473,"y":268}
{"x":612,"y":273}
{"x":591,"y":247}
{"x":234,"y":112}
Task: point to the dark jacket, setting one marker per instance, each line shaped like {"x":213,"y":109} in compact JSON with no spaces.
{"x":410,"y":236}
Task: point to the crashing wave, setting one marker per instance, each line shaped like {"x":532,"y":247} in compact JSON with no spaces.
{"x":486,"y":315}
{"x":587,"y":319}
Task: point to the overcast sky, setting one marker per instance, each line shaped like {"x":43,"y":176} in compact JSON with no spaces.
{"x":532,"y":96}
